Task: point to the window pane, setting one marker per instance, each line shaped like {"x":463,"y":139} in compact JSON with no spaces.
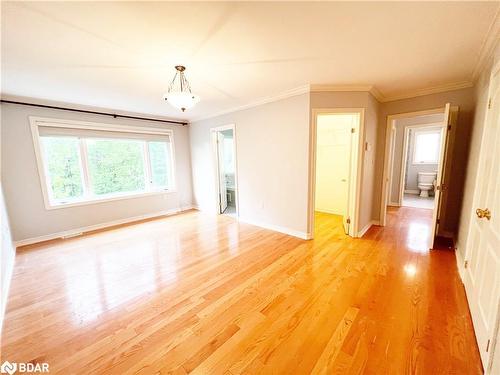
{"x":115,"y":165}
{"x":159,"y":156}
{"x":62,"y":161}
{"x":427,"y":148}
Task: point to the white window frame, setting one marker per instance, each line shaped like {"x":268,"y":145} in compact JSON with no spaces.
{"x":37,"y":122}
{"x":414,"y":151}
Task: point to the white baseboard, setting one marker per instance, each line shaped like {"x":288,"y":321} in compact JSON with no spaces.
{"x":365,"y":229}
{"x":327,"y":211}
{"x":77,"y":231}
{"x":394,"y":204}
{"x":277,"y":228}
{"x":412,"y":191}
{"x":460,"y":264}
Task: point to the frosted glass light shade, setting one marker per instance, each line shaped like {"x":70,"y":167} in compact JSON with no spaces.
{"x":182,"y":100}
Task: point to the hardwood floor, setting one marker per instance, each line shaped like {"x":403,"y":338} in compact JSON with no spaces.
{"x":205,"y":295}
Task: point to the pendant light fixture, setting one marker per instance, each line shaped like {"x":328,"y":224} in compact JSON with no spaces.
{"x":179,"y":92}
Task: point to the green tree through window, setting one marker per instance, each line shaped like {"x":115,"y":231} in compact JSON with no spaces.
{"x":82,"y":167}
{"x":159,"y":155}
{"x":63,"y":166}
{"x":115,"y":165}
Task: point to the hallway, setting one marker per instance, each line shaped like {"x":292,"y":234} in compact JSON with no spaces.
{"x":208,"y":295}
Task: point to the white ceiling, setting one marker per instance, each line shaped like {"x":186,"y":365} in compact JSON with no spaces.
{"x":120,"y":55}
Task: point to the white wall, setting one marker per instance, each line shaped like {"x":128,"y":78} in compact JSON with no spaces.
{"x":28,"y":216}
{"x":7,"y":250}
{"x":7,"y":256}
{"x":272,"y":148}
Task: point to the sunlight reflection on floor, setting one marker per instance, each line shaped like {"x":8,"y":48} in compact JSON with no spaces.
{"x":417,"y":239}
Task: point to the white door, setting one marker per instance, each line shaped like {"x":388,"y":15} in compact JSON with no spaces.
{"x":446,"y":175}
{"x":333,"y":165}
{"x":482,"y":272}
{"x":439,"y":179}
{"x":222,"y":173}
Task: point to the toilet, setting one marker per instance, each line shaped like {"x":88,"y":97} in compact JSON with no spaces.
{"x":425,"y":182}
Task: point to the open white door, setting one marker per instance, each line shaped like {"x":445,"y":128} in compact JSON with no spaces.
{"x":482,"y":257}
{"x":439,"y":179}
{"x":222,"y":173}
{"x":333,"y":166}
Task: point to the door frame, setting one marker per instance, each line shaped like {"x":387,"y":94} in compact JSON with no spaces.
{"x":404,"y":159}
{"x":215,"y":158}
{"x":355,"y":181}
{"x":390,"y":135}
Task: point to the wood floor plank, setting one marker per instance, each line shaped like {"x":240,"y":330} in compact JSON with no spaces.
{"x":197,"y":294}
{"x":324,"y":365}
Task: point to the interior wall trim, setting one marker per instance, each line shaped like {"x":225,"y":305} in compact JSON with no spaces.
{"x":367,"y":227}
{"x":427,"y":91}
{"x":270,"y":99}
{"x":82,"y":230}
{"x":276,"y":228}
{"x":488,"y":46}
{"x":372,"y":89}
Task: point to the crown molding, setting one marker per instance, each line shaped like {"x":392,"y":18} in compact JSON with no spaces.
{"x":488,"y":46}
{"x":354,"y":88}
{"x":372,"y":89}
{"x":270,"y":99}
{"x":376,"y":94}
{"x":427,"y":91}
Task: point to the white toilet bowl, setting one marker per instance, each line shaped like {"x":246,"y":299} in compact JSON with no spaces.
{"x":425,"y":182}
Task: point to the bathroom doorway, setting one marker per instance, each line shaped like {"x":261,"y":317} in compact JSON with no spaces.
{"x":420,"y":162}
{"x":224,"y":146}
{"x":336,"y":139}
{"x":417,"y":166}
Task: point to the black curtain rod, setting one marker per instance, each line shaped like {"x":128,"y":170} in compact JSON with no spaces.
{"x":95,"y":112}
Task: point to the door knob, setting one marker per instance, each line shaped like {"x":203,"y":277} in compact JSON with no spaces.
{"x":483,"y":213}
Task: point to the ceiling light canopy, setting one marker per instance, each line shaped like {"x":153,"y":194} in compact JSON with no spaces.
{"x":179,"y":92}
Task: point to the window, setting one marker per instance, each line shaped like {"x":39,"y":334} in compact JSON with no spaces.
{"x":63,"y":164}
{"x":81,"y":164}
{"x":115,"y":166}
{"x":159,"y":156}
{"x":426,"y":147}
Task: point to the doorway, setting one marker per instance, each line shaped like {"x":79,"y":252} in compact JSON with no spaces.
{"x":224,"y":146}
{"x":417,"y":146}
{"x":336,"y":138}
{"x":416,"y":167}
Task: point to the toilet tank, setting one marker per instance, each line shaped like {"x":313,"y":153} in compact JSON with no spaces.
{"x":426,"y":177}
